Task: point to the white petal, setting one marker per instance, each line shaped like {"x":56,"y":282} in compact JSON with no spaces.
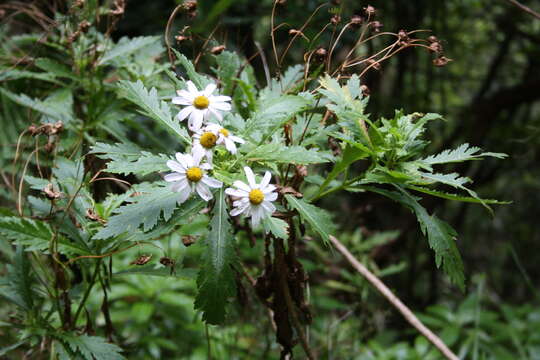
{"x":241,"y":202}
{"x":198,"y":153}
{"x":216,"y":113}
{"x":205,"y":166}
{"x":179,"y":185}
{"x":241,"y":185}
{"x":203,"y":191}
{"x":184,"y":194}
{"x":209,"y":89}
{"x":182,"y":159}
{"x":271,"y":197}
{"x":230,"y":146}
{"x":181,"y":101}
{"x":237,"y":193}
{"x":213,"y":127}
{"x":256,"y":216}
{"x":174,"y":166}
{"x":196,"y":119}
{"x":186,"y":95}
{"x":268,"y":189}
{"x":236,"y":139}
{"x":223,"y":106}
{"x":219,"y":98}
{"x":189,"y":160}
{"x":209,"y":155}
{"x":237,"y":211}
{"x":268,"y":206}
{"x":191,"y":87}
{"x":184,"y":113}
{"x":174,"y":177}
{"x":211,"y":182}
{"x":266,"y":180}
{"x":250,"y":177}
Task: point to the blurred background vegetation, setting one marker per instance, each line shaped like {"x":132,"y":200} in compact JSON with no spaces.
{"x":489,"y":94}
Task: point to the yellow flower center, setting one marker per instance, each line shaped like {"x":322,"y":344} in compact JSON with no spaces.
{"x":256,"y":196}
{"x":201,"y":102}
{"x":208,"y":140}
{"x":224,"y":132}
{"x":194,"y":174}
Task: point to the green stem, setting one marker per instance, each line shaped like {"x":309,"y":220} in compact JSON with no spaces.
{"x":87,"y":293}
{"x":346,"y":183}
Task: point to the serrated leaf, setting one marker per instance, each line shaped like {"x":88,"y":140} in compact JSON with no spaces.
{"x":54,"y":67}
{"x":319,"y":219}
{"x":145,"y":210}
{"x":456,"y":197}
{"x":199,"y":80}
{"x":441,"y":236}
{"x":18,"y":287}
{"x":35,"y":235}
{"x":463,"y":152}
{"x":286,"y":154}
{"x":216,"y":278}
{"x":278,"y":227}
{"x":56,"y":106}
{"x":150,"y":105}
{"x":275,"y":112}
{"x":129,"y":159}
{"x":127,"y":46}
{"x":92,"y":347}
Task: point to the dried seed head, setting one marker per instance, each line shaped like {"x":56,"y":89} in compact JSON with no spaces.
{"x":356,"y":21}
{"x":281,"y":2}
{"x":301,"y":171}
{"x":294,"y":32}
{"x":320,"y":54}
{"x":181,"y":38}
{"x":166,"y":261}
{"x":376,"y":26}
{"x":50,"y":193}
{"x":190,"y":5}
{"x":436,"y":47}
{"x":441,"y":61}
{"x":365,"y":90}
{"x":49,"y":147}
{"x":370,"y":10}
{"x":188,"y":240}
{"x":336,"y":19}
{"x":433,"y":38}
{"x":91,"y":214}
{"x":141,"y":260}
{"x":216,"y":50}
{"x":84,"y":26}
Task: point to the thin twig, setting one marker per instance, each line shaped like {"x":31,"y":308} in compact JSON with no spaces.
{"x":387,"y":293}
{"x":167,"y":33}
{"x":527,"y":9}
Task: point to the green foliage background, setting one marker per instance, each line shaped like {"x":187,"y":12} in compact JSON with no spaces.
{"x":488,"y":95}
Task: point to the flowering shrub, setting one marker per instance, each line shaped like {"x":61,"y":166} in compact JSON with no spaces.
{"x":250,"y":162}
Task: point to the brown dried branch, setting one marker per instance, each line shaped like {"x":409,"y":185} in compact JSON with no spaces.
{"x":400,"y":306}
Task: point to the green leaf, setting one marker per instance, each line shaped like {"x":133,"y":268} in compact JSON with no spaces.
{"x":275,"y":112}
{"x":278,"y":227}
{"x":35,"y":235}
{"x":149,"y":270}
{"x":127,"y":46}
{"x":285,"y":154}
{"x":129,"y":159}
{"x":462,"y":153}
{"x":57,"y":106}
{"x":91,"y":347}
{"x":350,"y":155}
{"x":319,"y":219}
{"x":456,"y":197}
{"x":144,"y":210}
{"x":18,"y":286}
{"x":441,"y":236}
{"x":229,"y":64}
{"x":199,"y":80}
{"x":216,"y":278}
{"x":54,"y":67}
{"x":150,"y":105}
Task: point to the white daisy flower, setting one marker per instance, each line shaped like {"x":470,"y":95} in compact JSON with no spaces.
{"x":204,"y":142}
{"x":225,"y":137}
{"x":200,"y":104}
{"x":254,"y":199}
{"x":189,"y":176}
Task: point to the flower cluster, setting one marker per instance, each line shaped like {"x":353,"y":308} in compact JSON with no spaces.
{"x":190,"y":170}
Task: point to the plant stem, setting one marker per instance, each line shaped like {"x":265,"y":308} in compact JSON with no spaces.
{"x":87,"y":292}
{"x":400,"y":306}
